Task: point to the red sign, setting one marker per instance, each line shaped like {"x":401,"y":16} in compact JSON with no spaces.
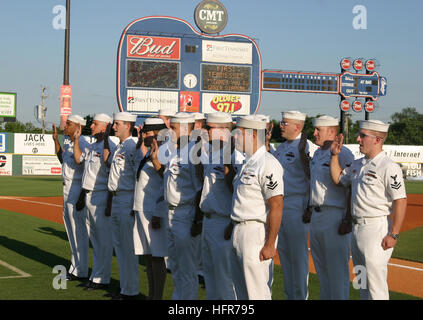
{"x":358,"y":64}
{"x":153,"y":47}
{"x":345,"y":64}
{"x":370,"y":65}
{"x":190,"y":101}
{"x":357,"y":106}
{"x":65,"y":100}
{"x":345,"y":105}
{"x":56,"y":170}
{"x":369,"y":106}
{"x":226,"y":103}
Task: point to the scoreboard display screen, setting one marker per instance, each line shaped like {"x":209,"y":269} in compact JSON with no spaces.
{"x":153,"y":74}
{"x":225,"y":78}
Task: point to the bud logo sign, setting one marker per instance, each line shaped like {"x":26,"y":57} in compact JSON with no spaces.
{"x":153,"y":47}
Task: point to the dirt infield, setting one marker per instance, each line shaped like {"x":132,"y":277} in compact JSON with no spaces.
{"x":403,"y":276}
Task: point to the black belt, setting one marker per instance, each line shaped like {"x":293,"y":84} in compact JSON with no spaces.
{"x":317,"y":209}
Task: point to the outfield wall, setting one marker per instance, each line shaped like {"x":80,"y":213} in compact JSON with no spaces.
{"x":34,"y":154}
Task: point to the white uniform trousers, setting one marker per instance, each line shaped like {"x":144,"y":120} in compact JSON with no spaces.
{"x":76,"y":229}
{"x":122,"y":223}
{"x":183,"y":253}
{"x":367,"y":251}
{"x":330,"y":252}
{"x":100,"y":233}
{"x":293,"y":248}
{"x":215,"y":257}
{"x":252,"y":278}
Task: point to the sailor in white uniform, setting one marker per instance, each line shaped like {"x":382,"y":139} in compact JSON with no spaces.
{"x":216,"y":205}
{"x":74,"y":220}
{"x":121,"y":185}
{"x":182,"y":191}
{"x":329,"y":249}
{"x":256,"y":212}
{"x":294,"y":233}
{"x":94,"y":185}
{"x":150,"y":229}
{"x":378,"y":205}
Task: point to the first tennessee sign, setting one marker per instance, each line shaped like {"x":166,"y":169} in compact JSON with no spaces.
{"x":153,"y":47}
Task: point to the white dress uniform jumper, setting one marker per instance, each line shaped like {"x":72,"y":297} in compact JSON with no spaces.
{"x":122,"y":183}
{"x":74,"y":220}
{"x":375,"y":184}
{"x":293,"y":235}
{"x":216,"y":204}
{"x":258,"y":180}
{"x":149,"y":202}
{"x":181,"y":185}
{"x":330,"y":250}
{"x":94,"y":181}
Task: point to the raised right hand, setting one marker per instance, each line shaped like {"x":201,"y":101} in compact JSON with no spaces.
{"x":336,"y":145}
{"x":55,"y":133}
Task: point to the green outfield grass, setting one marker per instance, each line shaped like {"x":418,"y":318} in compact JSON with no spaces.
{"x":410,"y":245}
{"x":36,"y":246}
{"x":414,"y":186}
{"x":31,"y":186}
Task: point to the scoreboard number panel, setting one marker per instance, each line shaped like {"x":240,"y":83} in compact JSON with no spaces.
{"x":152,"y":74}
{"x":225,"y":78}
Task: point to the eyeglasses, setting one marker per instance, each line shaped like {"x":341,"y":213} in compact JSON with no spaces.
{"x":284,"y":123}
{"x":362,"y":135}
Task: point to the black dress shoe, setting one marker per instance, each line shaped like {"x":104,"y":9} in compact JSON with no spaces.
{"x":85,"y":284}
{"x":96,"y":286}
{"x":71,"y":277}
{"x":124,"y":297}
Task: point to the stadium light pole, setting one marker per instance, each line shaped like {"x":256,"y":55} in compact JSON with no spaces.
{"x":66,"y":54}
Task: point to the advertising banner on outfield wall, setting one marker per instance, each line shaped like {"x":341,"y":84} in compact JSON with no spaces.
{"x":410,"y":158}
{"x":41,"y":165}
{"x":3,"y":142}
{"x":5,"y":164}
{"x":34,"y":143}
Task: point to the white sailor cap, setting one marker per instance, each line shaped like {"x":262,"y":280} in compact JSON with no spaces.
{"x":199,"y":116}
{"x":219,"y":117}
{"x":77,"y":119}
{"x":125,"y":116}
{"x":263,"y":117}
{"x":182,"y":117}
{"x":103,"y":117}
{"x":294,"y":115}
{"x":251,"y":122}
{"x":325,"y":121}
{"x":166,"y":112}
{"x":375,"y":125}
{"x":152,"y":123}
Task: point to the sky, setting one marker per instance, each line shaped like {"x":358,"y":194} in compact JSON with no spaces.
{"x":301,"y":35}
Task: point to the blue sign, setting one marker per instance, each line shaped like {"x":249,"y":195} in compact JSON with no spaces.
{"x":362,"y":85}
{"x":164,"y":63}
{"x":3,"y":145}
